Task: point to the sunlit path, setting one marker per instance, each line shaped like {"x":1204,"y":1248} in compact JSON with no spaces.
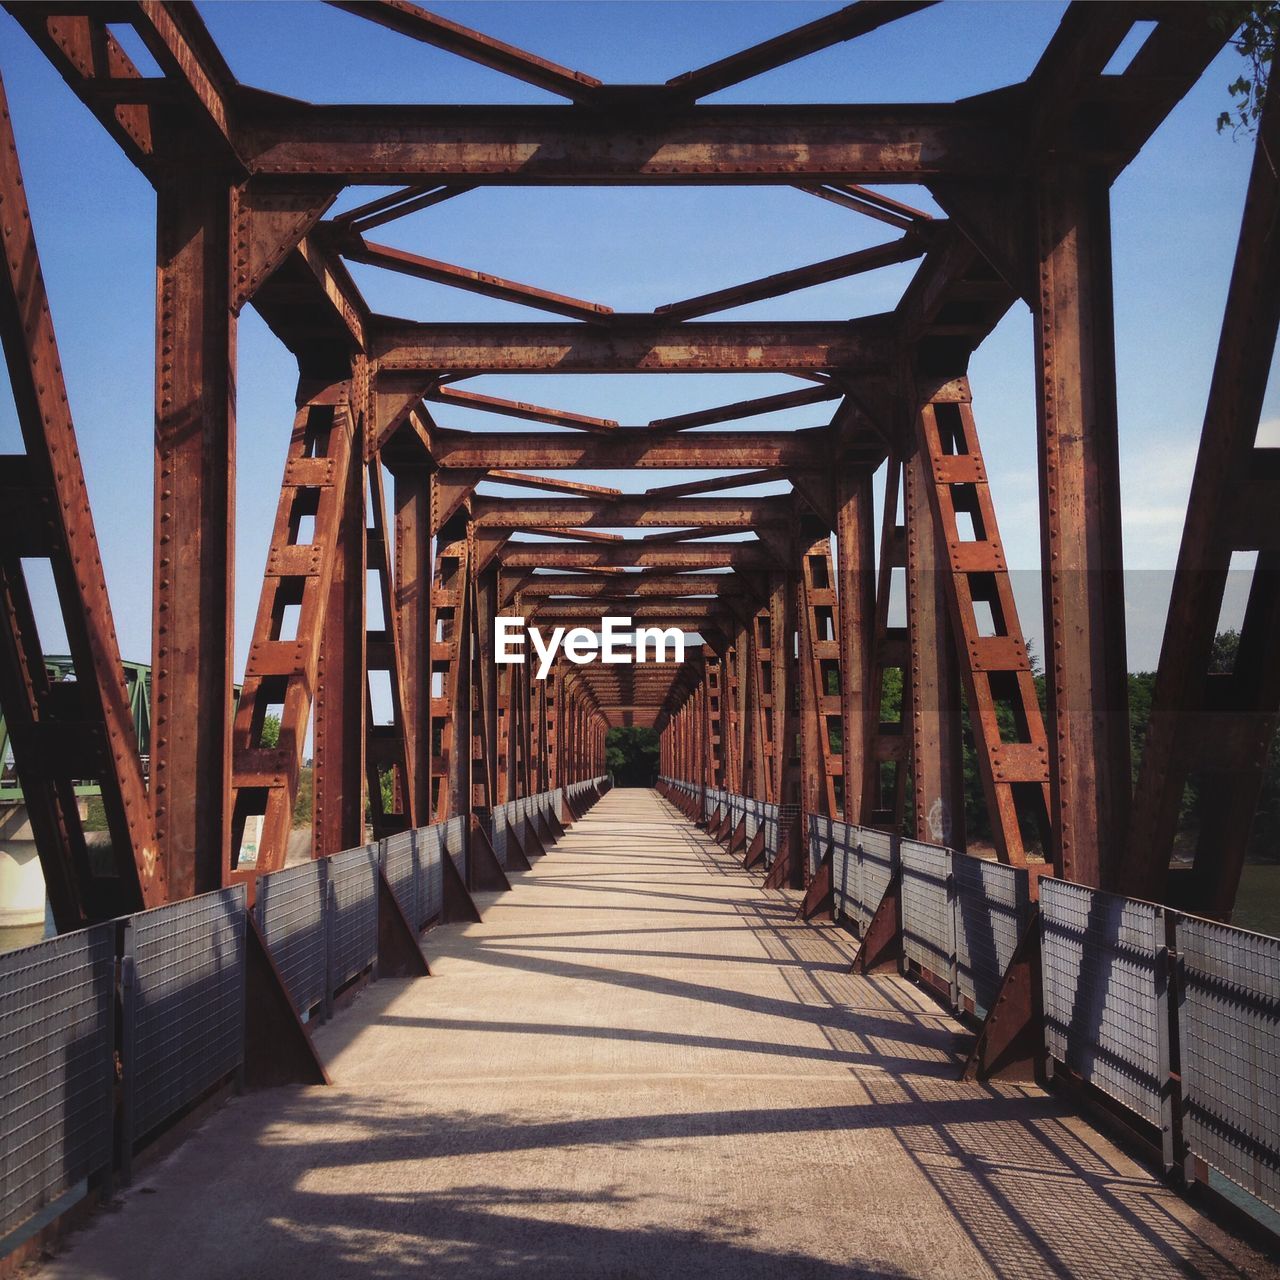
{"x":641,"y":1065}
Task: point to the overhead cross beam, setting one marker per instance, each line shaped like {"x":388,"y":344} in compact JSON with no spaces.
{"x":641,"y":345}
{"x":524,"y":146}
{"x":418,"y":24}
{"x":846,"y":24}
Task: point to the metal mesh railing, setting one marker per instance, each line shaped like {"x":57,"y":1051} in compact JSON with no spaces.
{"x":401,"y":864}
{"x":928,"y":918}
{"x":992,"y":909}
{"x":353,"y":886}
{"x":1229,"y":1032}
{"x":1105,"y":993}
{"x":291,"y":914}
{"x":454,"y":834}
{"x":498,"y":832}
{"x":56,"y":1042}
{"x":184,"y":1008}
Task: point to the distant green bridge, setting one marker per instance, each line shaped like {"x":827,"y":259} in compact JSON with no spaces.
{"x":137,"y":677}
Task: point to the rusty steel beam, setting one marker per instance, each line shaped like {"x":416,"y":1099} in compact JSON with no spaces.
{"x":869,"y":203}
{"x":818,"y":677}
{"x":749,"y":408}
{"x":415,"y":624}
{"x":339,"y":716}
{"x":418,"y":24}
{"x":766,"y":474}
{"x":554,"y":484}
{"x":388,"y":749}
{"x":856,"y":605}
{"x":578,"y":535}
{"x":376,"y":213}
{"x":845,"y":24}
{"x":281,"y":671}
{"x":531,"y":145}
{"x":175,"y":35}
{"x":1083,"y":564}
{"x":356,"y":249}
{"x":1012,"y":758}
{"x":191,"y":677}
{"x":642,"y":345}
{"x":65,"y":732}
{"x":631,"y":584}
{"x":1216,"y":724}
{"x":629,"y":447}
{"x":737,"y":555}
{"x":635,"y":609}
{"x":905,"y":249}
{"x":518,"y":409}
{"x":627,"y":512}
{"x":937,"y":752}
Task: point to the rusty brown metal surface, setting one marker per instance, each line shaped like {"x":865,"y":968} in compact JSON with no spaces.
{"x":72,"y":730}
{"x":782,"y":700}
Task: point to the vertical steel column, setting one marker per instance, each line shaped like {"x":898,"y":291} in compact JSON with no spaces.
{"x":856,"y":600}
{"x":1013,"y":757}
{"x":281,"y":673}
{"x":936,"y":749}
{"x":194,"y":565}
{"x":1219,"y":724}
{"x":67,"y":730}
{"x":818,"y":674}
{"x":338,"y":717}
{"x":763,"y":726}
{"x":415,"y":623}
{"x":1080,"y":525}
{"x":783,"y":588}
{"x":387,"y":745}
{"x":488,"y":700}
{"x":882,"y":805}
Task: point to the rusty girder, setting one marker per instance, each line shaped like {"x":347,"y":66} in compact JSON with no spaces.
{"x":794,"y":643}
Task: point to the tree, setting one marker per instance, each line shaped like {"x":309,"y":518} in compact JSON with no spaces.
{"x":631,"y":755}
{"x":1254,"y":26}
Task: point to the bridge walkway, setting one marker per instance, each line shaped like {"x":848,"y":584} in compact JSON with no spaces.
{"x":641,"y":1065}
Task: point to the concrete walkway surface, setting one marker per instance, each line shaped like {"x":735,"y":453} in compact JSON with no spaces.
{"x":642,"y":1065}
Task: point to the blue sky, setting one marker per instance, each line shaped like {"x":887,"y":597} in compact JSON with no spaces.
{"x":1175,"y":211}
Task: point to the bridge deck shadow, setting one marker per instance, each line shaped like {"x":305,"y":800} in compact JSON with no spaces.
{"x":641,"y":1065}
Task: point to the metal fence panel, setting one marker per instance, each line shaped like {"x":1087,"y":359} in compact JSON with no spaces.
{"x":399,"y":855}
{"x":354,"y":929}
{"x":846,"y":886}
{"x":291,"y":915}
{"x":56,"y":1039}
{"x":992,"y":907}
{"x":431,"y":856}
{"x":877,"y":863}
{"x":1104,"y":992}
{"x":1229,"y":1032}
{"x":498,"y":833}
{"x":455,"y":845}
{"x":769,"y":819}
{"x":819,"y":841}
{"x":928,"y":918}
{"x":187,"y":1004}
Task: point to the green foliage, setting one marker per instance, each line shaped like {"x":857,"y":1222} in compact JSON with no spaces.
{"x":1265,"y":841}
{"x":631,"y":755}
{"x":270,"y":731}
{"x":1254,"y":26}
{"x":305,"y":802}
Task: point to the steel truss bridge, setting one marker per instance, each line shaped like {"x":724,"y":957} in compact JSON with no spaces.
{"x":781,"y":704}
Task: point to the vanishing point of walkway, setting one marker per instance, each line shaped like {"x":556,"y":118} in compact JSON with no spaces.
{"x":641,"y":1065}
